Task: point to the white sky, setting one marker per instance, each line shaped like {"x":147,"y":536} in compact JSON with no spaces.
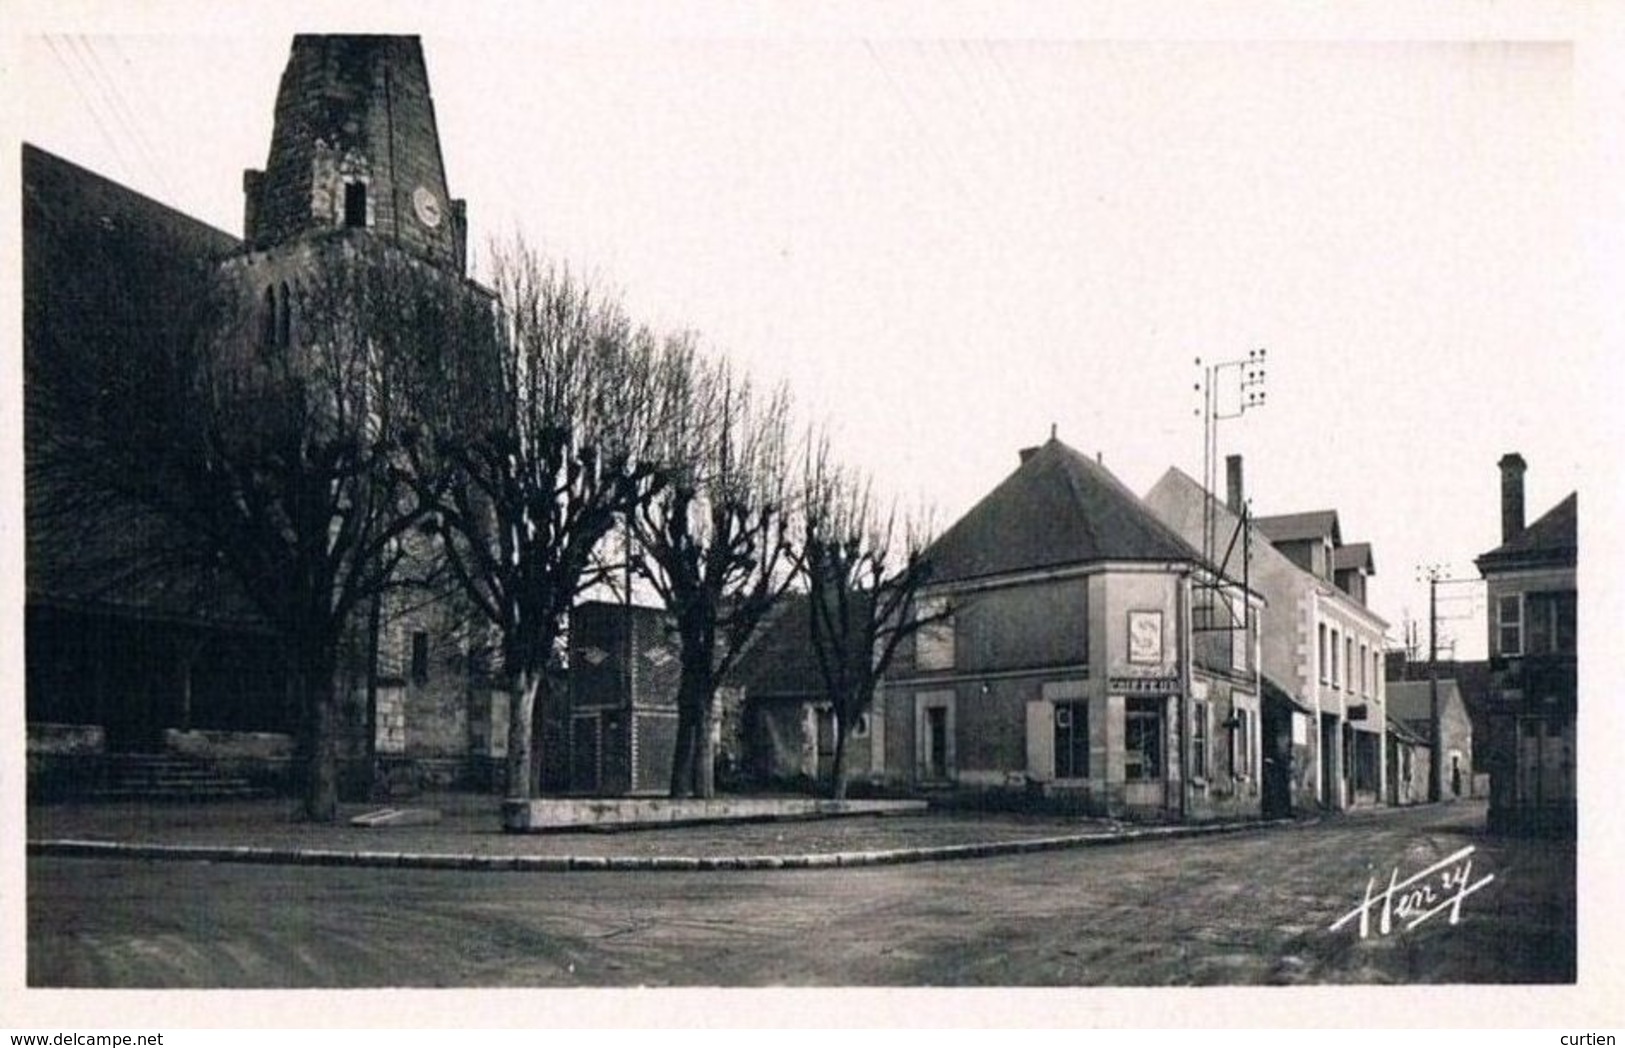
{"x":949,"y":230}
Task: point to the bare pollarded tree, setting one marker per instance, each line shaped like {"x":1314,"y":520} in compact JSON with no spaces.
{"x":714,"y":544}
{"x":260,"y":426}
{"x":535,"y":442}
{"x":864,"y":566}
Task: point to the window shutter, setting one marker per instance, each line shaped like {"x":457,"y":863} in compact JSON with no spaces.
{"x":1041,"y":740}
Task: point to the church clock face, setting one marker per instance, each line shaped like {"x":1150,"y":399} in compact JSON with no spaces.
{"x":426,"y":206}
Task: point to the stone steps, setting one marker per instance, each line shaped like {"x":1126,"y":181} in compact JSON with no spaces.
{"x":130,"y":777}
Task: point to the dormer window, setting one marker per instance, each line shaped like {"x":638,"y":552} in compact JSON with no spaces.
{"x":355,"y":205}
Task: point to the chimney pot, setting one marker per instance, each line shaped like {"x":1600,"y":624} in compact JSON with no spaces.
{"x":1512,"y":470}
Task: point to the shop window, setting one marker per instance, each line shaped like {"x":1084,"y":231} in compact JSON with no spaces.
{"x":1142,"y":740}
{"x":1071,"y":740}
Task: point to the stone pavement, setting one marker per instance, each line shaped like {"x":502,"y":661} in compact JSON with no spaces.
{"x":469,"y":835}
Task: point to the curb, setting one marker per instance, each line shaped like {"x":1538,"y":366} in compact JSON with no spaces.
{"x":615,"y":863}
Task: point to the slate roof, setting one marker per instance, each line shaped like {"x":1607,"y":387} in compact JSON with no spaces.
{"x":82,"y":236}
{"x":1552,"y":539}
{"x":1059,"y":507}
{"x":1402,"y":731}
{"x":1295,"y":527}
{"x":780,"y":660}
{"x":1410,"y":702}
{"x":1277,"y":693}
{"x":1354,"y":555}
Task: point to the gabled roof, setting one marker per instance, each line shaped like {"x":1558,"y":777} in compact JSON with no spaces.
{"x":1178,"y":499}
{"x":1274,"y":692}
{"x":1356,"y":555}
{"x":1549,"y":540}
{"x":1399,"y":729}
{"x":1295,"y":527}
{"x":1412,"y":702}
{"x":76,"y":207}
{"x":781,"y":659}
{"x":1058,"y":508}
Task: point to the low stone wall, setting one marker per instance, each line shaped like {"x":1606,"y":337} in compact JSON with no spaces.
{"x":229,"y":745}
{"x":263,"y":758}
{"x":64,"y":759}
{"x":70,"y":740}
{"x":551,"y":814}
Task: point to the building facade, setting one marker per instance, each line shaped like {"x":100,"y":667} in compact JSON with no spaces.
{"x":1531,"y":588}
{"x":1067,"y":670}
{"x":1321,"y":647}
{"x":787,"y":723}
{"x":1435,"y":709}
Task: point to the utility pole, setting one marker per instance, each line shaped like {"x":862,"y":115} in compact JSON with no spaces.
{"x":1436,"y":575}
{"x":1436,"y":769}
{"x":1248,"y":378}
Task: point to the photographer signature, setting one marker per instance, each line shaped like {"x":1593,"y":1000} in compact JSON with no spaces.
{"x":1419,"y":897}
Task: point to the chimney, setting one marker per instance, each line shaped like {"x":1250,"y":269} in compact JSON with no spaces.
{"x":1027,"y":453}
{"x":1512,"y":467}
{"x":1234,"y":498}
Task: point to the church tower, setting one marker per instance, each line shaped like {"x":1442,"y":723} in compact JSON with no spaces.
{"x":354,"y":184}
{"x":355,"y":147}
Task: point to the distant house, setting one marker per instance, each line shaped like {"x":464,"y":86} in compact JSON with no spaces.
{"x":1531,"y":591}
{"x":1410,"y":763}
{"x":1411,"y":703}
{"x":787,"y":723}
{"x":1067,"y":669}
{"x":1321,"y":647}
{"x":1472,"y":677}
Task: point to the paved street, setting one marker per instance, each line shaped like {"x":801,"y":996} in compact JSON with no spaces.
{"x":1250,"y":908}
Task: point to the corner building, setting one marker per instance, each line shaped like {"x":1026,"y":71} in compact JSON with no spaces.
{"x":1068,"y":671}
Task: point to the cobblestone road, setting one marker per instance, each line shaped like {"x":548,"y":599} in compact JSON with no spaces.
{"x":1249,"y":908}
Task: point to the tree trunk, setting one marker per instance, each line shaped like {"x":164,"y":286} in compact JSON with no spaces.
{"x":691,"y":774}
{"x":521,"y":705}
{"x":540,"y":707}
{"x":682,"y":761}
{"x":320,"y":802}
{"x":838,"y":776}
{"x":705,"y":771}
